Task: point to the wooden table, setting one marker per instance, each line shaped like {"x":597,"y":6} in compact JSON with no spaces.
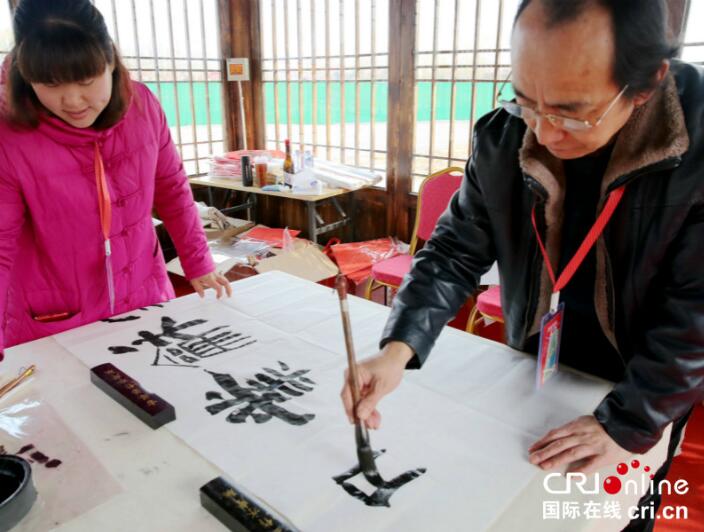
{"x":315,"y":223}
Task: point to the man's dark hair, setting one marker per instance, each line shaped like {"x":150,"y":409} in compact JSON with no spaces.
{"x":640,"y":35}
{"x":62,"y":41}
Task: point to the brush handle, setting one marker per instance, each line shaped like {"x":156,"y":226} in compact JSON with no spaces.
{"x":16,"y":381}
{"x":341,"y":285}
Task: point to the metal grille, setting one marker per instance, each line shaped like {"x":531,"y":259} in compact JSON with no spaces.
{"x":462,"y":57}
{"x":325,"y":73}
{"x":173,"y":47}
{"x":693,"y":49}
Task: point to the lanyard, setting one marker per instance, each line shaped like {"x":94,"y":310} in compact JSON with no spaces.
{"x":105,"y":209}
{"x":104,"y":205}
{"x":592,"y":236}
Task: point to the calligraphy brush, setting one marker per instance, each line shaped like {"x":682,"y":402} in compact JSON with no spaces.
{"x":24,"y":374}
{"x":365,"y":454}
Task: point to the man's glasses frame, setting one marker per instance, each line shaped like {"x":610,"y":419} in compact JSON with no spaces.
{"x":562,"y":122}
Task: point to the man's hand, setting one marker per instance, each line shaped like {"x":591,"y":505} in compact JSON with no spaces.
{"x":213,"y":280}
{"x":583,"y":443}
{"x":378,"y":376}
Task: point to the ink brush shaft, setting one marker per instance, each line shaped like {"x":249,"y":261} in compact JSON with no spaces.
{"x":341,"y":285}
{"x":17,"y":380}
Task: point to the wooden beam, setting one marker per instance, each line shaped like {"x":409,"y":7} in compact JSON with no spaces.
{"x":401,"y":105}
{"x":240,"y":36}
{"x":255,"y":124}
{"x":229,"y":90}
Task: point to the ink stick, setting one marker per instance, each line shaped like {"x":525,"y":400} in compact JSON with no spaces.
{"x":238,"y":510}
{"x":148,"y":407}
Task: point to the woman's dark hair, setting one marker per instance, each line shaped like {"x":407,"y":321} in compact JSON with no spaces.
{"x":62,"y":41}
{"x":640,"y":36}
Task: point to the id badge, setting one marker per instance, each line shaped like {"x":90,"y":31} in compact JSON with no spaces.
{"x":549,"y":348}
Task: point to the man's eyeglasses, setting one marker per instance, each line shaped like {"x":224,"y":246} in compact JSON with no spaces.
{"x":570,"y":124}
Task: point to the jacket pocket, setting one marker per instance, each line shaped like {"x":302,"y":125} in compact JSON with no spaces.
{"x":52,"y":305}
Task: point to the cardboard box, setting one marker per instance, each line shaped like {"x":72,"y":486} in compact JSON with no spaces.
{"x":305,"y":261}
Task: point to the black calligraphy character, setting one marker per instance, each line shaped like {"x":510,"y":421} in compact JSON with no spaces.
{"x":267,"y":388}
{"x":189,"y":348}
{"x":131,"y":317}
{"x":381,"y":496}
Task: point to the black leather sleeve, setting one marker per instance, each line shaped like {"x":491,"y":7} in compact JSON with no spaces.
{"x":665,"y":378}
{"x":445,"y":272}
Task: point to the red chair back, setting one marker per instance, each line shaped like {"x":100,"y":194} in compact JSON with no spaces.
{"x":433,"y":198}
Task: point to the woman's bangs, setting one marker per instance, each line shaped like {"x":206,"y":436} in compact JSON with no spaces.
{"x":60,"y":55}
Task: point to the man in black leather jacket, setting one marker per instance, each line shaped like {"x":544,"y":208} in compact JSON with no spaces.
{"x":634,"y":311}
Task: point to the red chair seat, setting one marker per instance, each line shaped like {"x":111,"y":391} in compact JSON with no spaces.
{"x":391,"y":271}
{"x":489,"y":302}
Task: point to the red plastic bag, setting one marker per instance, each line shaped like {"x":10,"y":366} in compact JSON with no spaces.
{"x":274,"y":236}
{"x":355,"y":259}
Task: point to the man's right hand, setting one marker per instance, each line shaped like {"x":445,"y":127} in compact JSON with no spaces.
{"x":378,"y":376}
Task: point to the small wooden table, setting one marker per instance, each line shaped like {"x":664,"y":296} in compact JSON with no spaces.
{"x":315,"y":223}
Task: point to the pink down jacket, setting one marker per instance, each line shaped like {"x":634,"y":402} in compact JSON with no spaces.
{"x":52,"y":253}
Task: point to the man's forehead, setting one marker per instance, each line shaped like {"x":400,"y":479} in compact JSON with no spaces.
{"x":561,"y":76}
{"x":579,"y":48}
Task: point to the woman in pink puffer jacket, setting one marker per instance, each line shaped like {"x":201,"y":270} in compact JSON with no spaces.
{"x":85,"y":154}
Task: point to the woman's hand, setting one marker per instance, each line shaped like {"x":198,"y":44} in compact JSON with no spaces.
{"x":378,"y":376}
{"x":213,"y":280}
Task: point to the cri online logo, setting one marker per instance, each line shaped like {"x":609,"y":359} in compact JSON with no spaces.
{"x":613,"y":484}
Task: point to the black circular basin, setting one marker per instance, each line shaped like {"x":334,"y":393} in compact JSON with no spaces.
{"x":17,"y":493}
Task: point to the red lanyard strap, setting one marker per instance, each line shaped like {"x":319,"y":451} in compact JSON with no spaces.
{"x":592,"y":236}
{"x":104,"y":204}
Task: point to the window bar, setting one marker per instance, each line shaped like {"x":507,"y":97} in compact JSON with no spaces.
{"x":288,"y":73}
{"x":299,"y":43}
{"x":179,"y":141}
{"x":114,"y":24}
{"x":463,"y":51}
{"x":497,"y":56}
{"x":361,"y":68}
{"x":314,"y":77}
{"x":433,"y":87}
{"x":194,"y":129}
{"x":453,"y":82}
{"x":156,"y":52}
{"x":203,"y":142}
{"x":274,"y":63}
{"x":322,"y":56}
{"x":473,"y":90}
{"x":136,"y":41}
{"x":207,"y":76}
{"x":327,"y":77}
{"x":372,"y":96}
{"x":343,"y":125}
{"x":337,"y":147}
{"x":356,"y":82}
